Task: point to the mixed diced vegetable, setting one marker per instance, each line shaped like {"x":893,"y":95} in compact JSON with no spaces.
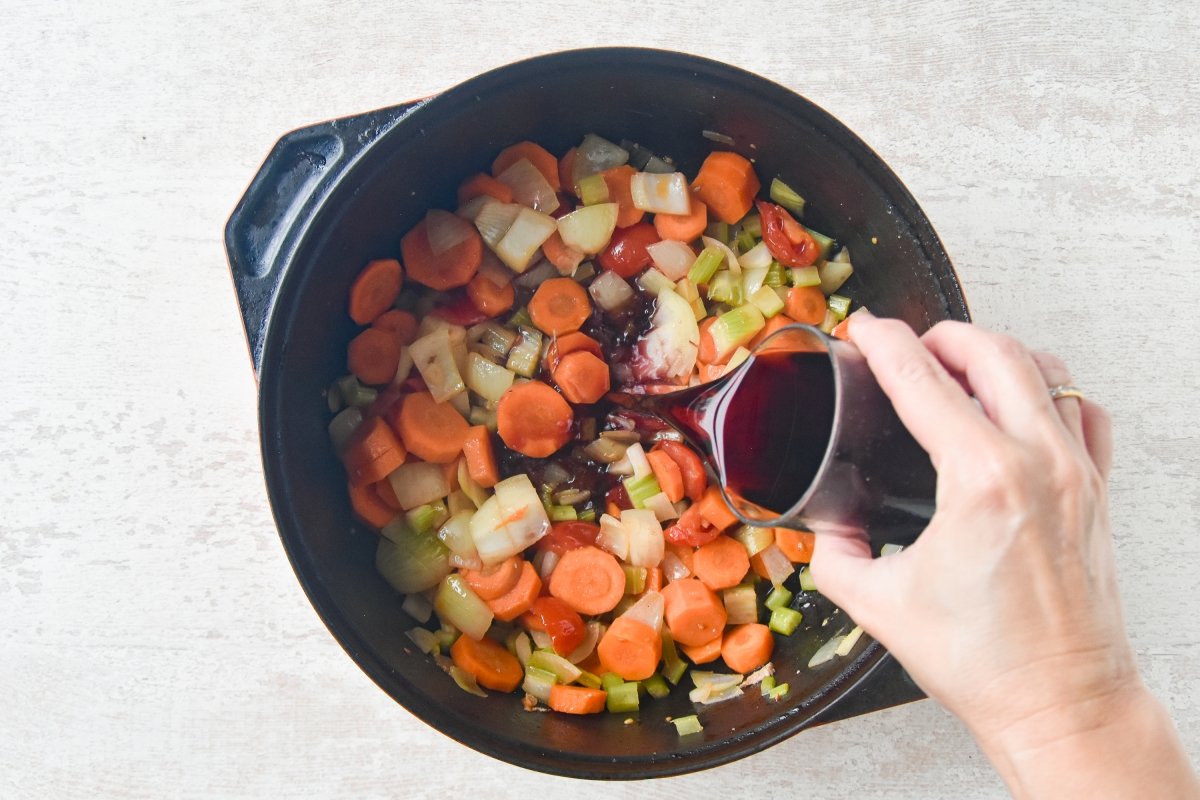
{"x":544,"y":540}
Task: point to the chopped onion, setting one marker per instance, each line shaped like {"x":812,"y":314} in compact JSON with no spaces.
{"x":646,"y":544}
{"x":826,"y":652}
{"x":731,"y":259}
{"x":592,"y":633}
{"x":661,"y":194}
{"x":522,"y":647}
{"x":588,"y":229}
{"x":544,"y":562}
{"x":494,"y":220}
{"x":455,"y":533}
{"x":403,"y":366}
{"x":613,"y":536}
{"x":671,"y":346}
{"x":648,"y":610}
{"x":662,"y":507}
{"x":423,"y":638}
{"x":673,"y":568}
{"x":541,"y":640}
{"x":605,"y":450}
{"x":714,"y":136}
{"x":610,"y":291}
{"x":529,"y":186}
{"x":652,"y":281}
{"x":637,"y":458}
{"x":752,"y":279}
{"x":470,"y":209}
{"x":849,"y":641}
{"x":494,"y":270}
{"x":509,"y":521}
{"x":834,"y":274}
{"x":534,"y":276}
{"x":460,"y":562}
{"x":756,"y":677}
{"x":756,"y":257}
{"x":487,"y":379}
{"x":445,"y":230}
{"x":457,"y":604}
{"x":476,"y":493}
{"x":465,"y":680}
{"x":417,"y":483}
{"x":596,"y":154}
{"x":526,"y":234}
{"x":433,"y":357}
{"x":417,"y":606}
{"x":672,"y":257}
{"x":410,"y":562}
{"x":777,"y":565}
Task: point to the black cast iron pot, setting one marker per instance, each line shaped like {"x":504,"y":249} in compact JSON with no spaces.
{"x":332,"y":196}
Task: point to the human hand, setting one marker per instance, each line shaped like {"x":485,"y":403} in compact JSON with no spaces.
{"x":1006,"y":608}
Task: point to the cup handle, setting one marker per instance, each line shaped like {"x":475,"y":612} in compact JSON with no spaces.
{"x":268,"y":222}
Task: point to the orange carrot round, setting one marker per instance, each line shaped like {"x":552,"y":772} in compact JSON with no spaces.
{"x":747,"y":647}
{"x":490,"y":582}
{"x":630,"y":648}
{"x":481,"y":456}
{"x":431,"y":431}
{"x":368,"y":506}
{"x":517,"y":600}
{"x":488,"y":662}
{"x":375,"y":289}
{"x":569,"y":343}
{"x":695,"y":480}
{"x":537,"y":155}
{"x":533,"y":419}
{"x":693,"y":612}
{"x":589,"y":580}
{"x":372,"y":453}
{"x":401,"y":324}
{"x":489,"y":298}
{"x":620,"y":191}
{"x":560,"y":305}
{"x":482,"y":184}
{"x":683,"y":227}
{"x":773,"y":324}
{"x":713,"y":508}
{"x":448,"y":270}
{"x":726,"y":183}
{"x":721,"y":563}
{"x":805,"y":304}
{"x":576,"y":699}
{"x":707,"y":352}
{"x":703,"y":653}
{"x":373,"y":355}
{"x":667,"y":473}
{"x":796,"y":545}
{"x":582,"y":377}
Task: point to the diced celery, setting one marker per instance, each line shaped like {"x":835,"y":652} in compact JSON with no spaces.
{"x":562,"y":513}
{"x":487,"y":379}
{"x":705,"y":266}
{"x":776,"y":275}
{"x":745,"y":240}
{"x":741,"y":604}
{"x":483,"y":416}
{"x":635,"y":579}
{"x":718,"y":230}
{"x":623,"y":698}
{"x":806,"y":580}
{"x":466,"y":681}
{"x":639,"y":489}
{"x":767,"y":684}
{"x":409,"y":561}
{"x":420,"y":519}
{"x":538,"y":683}
{"x":778,"y":692}
{"x":833,"y":274}
{"x":725,"y":287}
{"x":890,"y":549}
{"x":457,"y":603}
{"x":785,"y":620}
{"x":564,"y":671}
{"x":753,"y":223}
{"x":839,"y":305}
{"x":786,"y":196}
{"x":824,"y":242}
{"x":588,"y":515}
{"x":593,"y":189}
{"x":584,"y":272}
{"x":521,"y":319}
{"x":806,"y":276}
{"x":425,"y":639}
{"x":767,"y":301}
{"x":347,"y":386}
{"x":688,"y":725}
{"x":848,"y":643}
{"x":523,"y":358}
{"x":446,"y":637}
{"x":654,"y":282}
{"x":333,"y":396}
{"x":610,"y":679}
{"x":779,"y":597}
{"x":656,"y":686}
{"x":754,"y":538}
{"x":829,"y":322}
{"x":753,"y":278}
{"x":588,"y":679}
{"x":673,"y":665}
{"x":417,"y":606}
{"x":735,"y":328}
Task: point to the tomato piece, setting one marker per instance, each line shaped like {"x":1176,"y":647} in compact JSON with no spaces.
{"x":570,"y":535}
{"x":787,"y":239}
{"x":562,"y":623}
{"x":460,"y":310}
{"x":691,"y":529}
{"x":626,"y":253}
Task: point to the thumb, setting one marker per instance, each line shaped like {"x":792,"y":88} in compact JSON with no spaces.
{"x":845,"y":572}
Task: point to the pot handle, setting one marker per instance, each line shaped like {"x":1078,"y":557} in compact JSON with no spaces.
{"x":296,"y":177}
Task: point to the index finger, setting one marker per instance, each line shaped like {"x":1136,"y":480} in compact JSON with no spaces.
{"x":929,"y":401}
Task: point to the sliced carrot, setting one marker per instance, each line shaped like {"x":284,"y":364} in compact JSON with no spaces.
{"x":533,"y":419}
{"x":726,"y":183}
{"x":683,"y":227}
{"x":564,"y":257}
{"x":373,"y":355}
{"x":620,"y":191}
{"x":773,"y":324}
{"x":483,"y":184}
{"x":630,"y":648}
{"x":713,"y":508}
{"x":589,"y":580}
{"x":566,"y":166}
{"x":516,"y":601}
{"x":431,"y":431}
{"x":721,"y":563}
{"x":560,"y":305}
{"x":667,"y":473}
{"x":569,"y":343}
{"x":537,"y":155}
{"x":708,"y":353}
{"x":690,"y":467}
{"x":368,"y":506}
{"x":448,"y":270}
{"x":490,"y":298}
{"x":582,"y":377}
{"x":747,"y":647}
{"x":576,"y":699}
{"x":481,"y":456}
{"x":372,"y":453}
{"x":654,"y":579}
{"x":841,"y":330}
{"x":375,"y":289}
{"x":401,"y":324}
{"x":805,"y":304}
{"x":693,"y":612}
{"x":488,"y":662}
{"x":493,"y":581}
{"x":387,"y":495}
{"x":796,"y":545}
{"x":703,"y":653}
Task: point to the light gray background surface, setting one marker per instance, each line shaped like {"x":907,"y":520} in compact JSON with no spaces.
{"x":153,"y":640}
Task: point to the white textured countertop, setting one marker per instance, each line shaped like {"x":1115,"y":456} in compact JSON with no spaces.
{"x":153,"y":640}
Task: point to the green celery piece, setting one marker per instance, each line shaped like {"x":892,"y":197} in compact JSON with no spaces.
{"x":778,"y":692}
{"x":719,"y":231}
{"x":745,"y":240}
{"x":806,"y":580}
{"x":768,"y":683}
{"x":538,"y":683}
{"x":673,"y":666}
{"x":593,"y":189}
{"x":588,"y":679}
{"x":786,"y":196}
{"x":563,"y":670}
{"x":622,"y":699}
{"x":363,"y":396}
{"x":641,"y":489}
{"x":725,"y":287}
{"x":825,"y":243}
{"x":523,"y":358}
{"x":687,"y":725}
{"x":635,"y":579}
{"x":767,"y":301}
{"x":785,"y":620}
{"x":806,"y":276}
{"x":753,"y":224}
{"x":562,"y":513}
{"x":609,"y":680}
{"x":588,"y":515}
{"x":584,"y":272}
{"x":347,"y":386}
{"x":705,"y":266}
{"x":754,"y":538}
{"x":736,"y":327}
{"x":779,"y":598}
{"x":420,"y":519}
{"x":656,"y":686}
{"x":839,"y":305}
{"x":521,"y":319}
{"x":776,"y":275}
